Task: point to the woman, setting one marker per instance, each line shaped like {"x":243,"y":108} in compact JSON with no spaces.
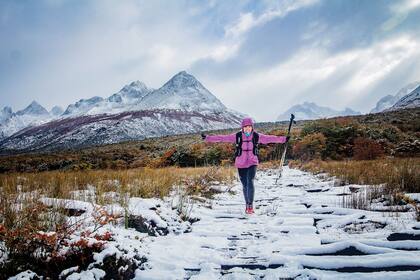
{"x":246,"y":155}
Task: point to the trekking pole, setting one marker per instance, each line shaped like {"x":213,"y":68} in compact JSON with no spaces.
{"x":283,"y":157}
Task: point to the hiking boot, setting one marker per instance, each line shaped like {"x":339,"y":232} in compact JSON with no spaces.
{"x":248,"y":209}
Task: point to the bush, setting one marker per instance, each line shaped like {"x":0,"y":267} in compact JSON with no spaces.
{"x":312,"y":146}
{"x":339,"y":136}
{"x":366,"y":149}
{"x":39,"y":239}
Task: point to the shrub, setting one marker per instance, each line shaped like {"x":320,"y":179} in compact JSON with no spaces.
{"x":39,"y":239}
{"x":311,"y":146}
{"x":366,"y":149}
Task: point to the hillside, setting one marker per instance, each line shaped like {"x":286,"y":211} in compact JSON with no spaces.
{"x":395,"y":131}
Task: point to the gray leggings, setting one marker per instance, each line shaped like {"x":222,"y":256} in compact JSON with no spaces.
{"x":247,"y":176}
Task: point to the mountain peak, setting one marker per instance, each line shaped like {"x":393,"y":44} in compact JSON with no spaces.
{"x":83,"y":105}
{"x":131,"y":91}
{"x":7,"y":110}
{"x":183,"y":92}
{"x":56,"y":111}
{"x":33,"y":109}
{"x":139,"y":85}
{"x":311,"y":110}
{"x":389,"y":101}
{"x":183,"y":79}
{"x":5,"y":113}
{"x":411,"y":100}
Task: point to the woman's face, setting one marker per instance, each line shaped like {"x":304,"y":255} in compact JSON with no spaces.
{"x":247,"y":128}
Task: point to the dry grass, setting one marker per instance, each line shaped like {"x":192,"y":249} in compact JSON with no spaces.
{"x":140,"y":182}
{"x":398,"y":174}
{"x":31,"y":233}
{"x":389,"y":178}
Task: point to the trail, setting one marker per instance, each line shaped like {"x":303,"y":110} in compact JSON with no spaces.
{"x":299,"y":231}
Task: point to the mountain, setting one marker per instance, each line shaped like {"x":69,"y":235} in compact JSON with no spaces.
{"x":181,"y":105}
{"x":132,"y":93}
{"x":183,"y":92}
{"x":33,"y":109}
{"x":389,"y":100}
{"x":412,"y":100}
{"x":33,"y":114}
{"x":127,"y":99}
{"x":311,"y":111}
{"x":90,"y":130}
{"x":56,"y":111}
{"x":5,"y":114}
{"x":82,"y":106}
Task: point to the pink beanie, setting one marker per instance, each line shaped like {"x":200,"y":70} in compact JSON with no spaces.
{"x":247,"y":121}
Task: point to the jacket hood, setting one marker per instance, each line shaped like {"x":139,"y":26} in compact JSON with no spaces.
{"x":246,"y":122}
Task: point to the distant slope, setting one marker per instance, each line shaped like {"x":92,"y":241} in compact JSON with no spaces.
{"x":412,"y":100}
{"x":388,"y":101}
{"x":85,"y":131}
{"x":311,"y":111}
{"x":182,"y":105}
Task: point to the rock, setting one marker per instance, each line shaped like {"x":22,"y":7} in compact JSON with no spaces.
{"x":397,"y":236}
{"x":142,"y":225}
{"x":407,"y":148}
{"x":354,"y":189}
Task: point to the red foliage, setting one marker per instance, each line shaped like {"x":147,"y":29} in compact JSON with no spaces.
{"x":366,"y":149}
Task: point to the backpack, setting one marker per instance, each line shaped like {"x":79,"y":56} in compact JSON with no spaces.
{"x":238,"y":146}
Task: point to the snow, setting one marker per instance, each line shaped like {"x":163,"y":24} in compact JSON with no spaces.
{"x":182,"y":105}
{"x":390,"y":100}
{"x":293,"y":234}
{"x":106,"y":129}
{"x":414,"y":196}
{"x":411,"y":100}
{"x":281,"y":235}
{"x":140,"y":206}
{"x":311,"y":111}
{"x":92,"y":274}
{"x":24,"y":275}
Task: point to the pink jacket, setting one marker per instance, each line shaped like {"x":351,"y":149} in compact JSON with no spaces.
{"x":247,"y":158}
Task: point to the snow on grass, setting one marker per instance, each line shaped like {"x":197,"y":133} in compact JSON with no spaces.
{"x":293,"y":234}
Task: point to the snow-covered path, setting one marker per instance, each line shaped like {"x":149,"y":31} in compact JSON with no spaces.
{"x":298,"y":231}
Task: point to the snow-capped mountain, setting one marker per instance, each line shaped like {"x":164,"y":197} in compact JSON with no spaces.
{"x":89,"y":130}
{"x":183,"y":92}
{"x":182,"y":105}
{"x":127,"y":99}
{"x":131,"y":93}
{"x":5,"y":114}
{"x":412,"y":100}
{"x":83,"y":106}
{"x":33,"y":109}
{"x":389,"y":100}
{"x":56,"y":111}
{"x":33,"y":114}
{"x":311,"y":111}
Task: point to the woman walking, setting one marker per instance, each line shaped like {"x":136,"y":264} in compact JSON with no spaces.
{"x":246,"y":159}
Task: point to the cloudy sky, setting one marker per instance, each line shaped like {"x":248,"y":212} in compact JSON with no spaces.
{"x":257,"y":57}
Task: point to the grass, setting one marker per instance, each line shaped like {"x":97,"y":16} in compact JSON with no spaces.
{"x":139,"y":182}
{"x":34,"y":235}
{"x":398,"y":174}
{"x":389,"y":178}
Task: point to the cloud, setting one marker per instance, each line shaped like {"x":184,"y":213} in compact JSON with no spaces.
{"x":400,"y":11}
{"x":258,"y":57}
{"x":236,"y":31}
{"x":247,"y":21}
{"x":314,"y":74}
{"x":379,"y":60}
{"x":97,"y":52}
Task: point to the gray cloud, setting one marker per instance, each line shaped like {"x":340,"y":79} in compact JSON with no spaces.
{"x":259,"y":57}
